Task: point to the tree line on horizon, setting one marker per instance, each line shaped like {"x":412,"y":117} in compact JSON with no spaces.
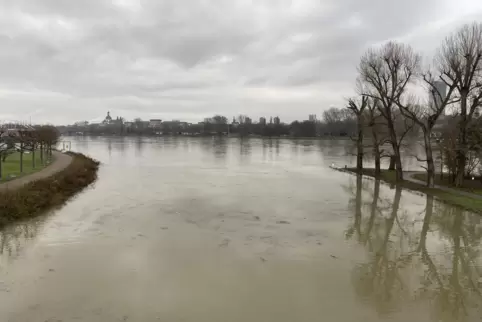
{"x":386,"y":110}
{"x":335,"y":122}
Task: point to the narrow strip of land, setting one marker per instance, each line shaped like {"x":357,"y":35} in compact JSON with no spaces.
{"x":409,"y":176}
{"x":455,"y":196}
{"x":61,"y":161}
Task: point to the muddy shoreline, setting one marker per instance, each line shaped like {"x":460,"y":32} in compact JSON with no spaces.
{"x":36,"y":197}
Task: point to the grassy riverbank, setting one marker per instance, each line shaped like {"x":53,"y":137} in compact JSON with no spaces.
{"x":472,"y":186}
{"x":452,"y":198}
{"x":11,"y":166}
{"x":38,"y":196}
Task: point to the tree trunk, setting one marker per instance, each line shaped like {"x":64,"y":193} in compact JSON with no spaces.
{"x":376,"y":152}
{"x":429,"y":157}
{"x":398,"y":164}
{"x":42,"y":153}
{"x":377,"y":162}
{"x":396,"y":150}
{"x":359,"y":147}
{"x":21,"y":158}
{"x":462,"y":142}
{"x":0,"y":169}
{"x":391,"y":166}
{"x":33,"y":158}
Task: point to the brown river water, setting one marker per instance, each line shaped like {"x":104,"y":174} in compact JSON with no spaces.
{"x":213,"y":229}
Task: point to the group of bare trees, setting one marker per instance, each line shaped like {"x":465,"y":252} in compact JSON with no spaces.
{"x":389,"y":108}
{"x":22,"y":139}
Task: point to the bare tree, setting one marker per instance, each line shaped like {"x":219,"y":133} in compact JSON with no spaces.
{"x":460,"y":58}
{"x":378,"y":133}
{"x":426,"y":116}
{"x":357,"y":107}
{"x":24,"y":139}
{"x":384,"y":75}
{"x":4,"y":147}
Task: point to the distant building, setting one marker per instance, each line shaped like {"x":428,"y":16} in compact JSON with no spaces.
{"x":81,"y":123}
{"x":277,"y":121}
{"x":262,"y":120}
{"x":438,"y":94}
{"x":155,"y":123}
{"x":312,"y":117}
{"x":108,"y":119}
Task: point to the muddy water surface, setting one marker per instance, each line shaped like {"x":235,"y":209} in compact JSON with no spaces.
{"x":231,"y":230}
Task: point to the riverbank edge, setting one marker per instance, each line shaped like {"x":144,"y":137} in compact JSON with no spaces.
{"x":388,"y":176}
{"x":36,"y":197}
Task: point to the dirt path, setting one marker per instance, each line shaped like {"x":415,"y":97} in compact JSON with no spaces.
{"x":61,"y":162}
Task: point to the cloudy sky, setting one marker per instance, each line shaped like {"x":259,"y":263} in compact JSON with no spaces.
{"x":63,"y":61}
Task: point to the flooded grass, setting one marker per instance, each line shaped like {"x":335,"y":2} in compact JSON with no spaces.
{"x":36,"y":197}
{"x":462,"y":201}
{"x":472,"y":186}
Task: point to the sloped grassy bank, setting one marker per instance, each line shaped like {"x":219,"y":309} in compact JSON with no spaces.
{"x":38,"y":196}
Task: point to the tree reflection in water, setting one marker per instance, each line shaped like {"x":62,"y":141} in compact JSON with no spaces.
{"x":14,"y":237}
{"x":432,"y":257}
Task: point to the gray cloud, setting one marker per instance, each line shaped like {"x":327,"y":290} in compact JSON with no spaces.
{"x":62,"y":61}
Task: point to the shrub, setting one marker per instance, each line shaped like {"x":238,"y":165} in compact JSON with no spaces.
{"x":38,"y":196}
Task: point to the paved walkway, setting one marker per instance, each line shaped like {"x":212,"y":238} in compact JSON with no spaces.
{"x":409,"y":176}
{"x":61,"y":162}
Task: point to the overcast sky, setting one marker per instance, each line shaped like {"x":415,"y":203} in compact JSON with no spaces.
{"x":63,"y":61}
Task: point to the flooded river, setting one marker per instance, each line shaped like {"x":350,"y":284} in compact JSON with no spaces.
{"x":190,"y":229}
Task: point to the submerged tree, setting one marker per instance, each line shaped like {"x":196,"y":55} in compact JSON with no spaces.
{"x":378,"y":133}
{"x":385,"y":74}
{"x":357,"y":107}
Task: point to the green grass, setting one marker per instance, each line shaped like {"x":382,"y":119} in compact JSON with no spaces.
{"x":11,"y":166}
{"x":472,"y":186}
{"x":468,"y":203}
